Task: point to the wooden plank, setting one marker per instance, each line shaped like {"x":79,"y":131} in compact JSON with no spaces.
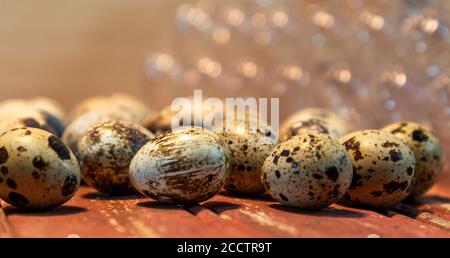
{"x":336,"y":221}
{"x":236,"y":227}
{"x":433,"y":208}
{"x":432,"y":216}
{"x":75,"y":219}
{"x":5,"y":230}
{"x":92,"y":214}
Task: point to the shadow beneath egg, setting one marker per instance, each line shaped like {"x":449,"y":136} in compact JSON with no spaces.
{"x":158,"y":205}
{"x":58,"y":211}
{"x":382,"y":211}
{"x":262,"y":197}
{"x":325,"y":212}
{"x":410,"y":207}
{"x":108,"y":197}
{"x":219,"y":207}
{"x":194,"y":209}
{"x":428,"y":199}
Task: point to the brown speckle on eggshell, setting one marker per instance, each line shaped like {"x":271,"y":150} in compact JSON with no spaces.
{"x":33,"y":119}
{"x":309,"y":171}
{"x":250,"y":141}
{"x":161,"y":121}
{"x":78,"y":127}
{"x":36,"y":175}
{"x":383,"y":168}
{"x":311,"y":125}
{"x":127,"y":107}
{"x":105,"y":152}
{"x":427,"y":151}
{"x":314,"y":120}
{"x":184,"y":166}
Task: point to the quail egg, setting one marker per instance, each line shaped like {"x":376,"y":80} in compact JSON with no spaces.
{"x":309,"y":171}
{"x":32,"y":118}
{"x":383,"y":168}
{"x":184,"y":166}
{"x":78,"y":127}
{"x":308,"y":126}
{"x":13,"y":106}
{"x":315,"y":120}
{"x":133,"y":107}
{"x":250,"y":141}
{"x":37,"y":171}
{"x":47,"y":105}
{"x":427,"y":150}
{"x":87,"y":105}
{"x":105,"y":152}
{"x":129,"y":108}
{"x":161,"y":121}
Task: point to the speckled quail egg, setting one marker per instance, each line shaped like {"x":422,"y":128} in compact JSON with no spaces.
{"x":383,"y":168}
{"x":105,"y":152}
{"x":37,"y":171}
{"x":135,"y":108}
{"x":130,"y":108}
{"x":47,"y":105}
{"x":315,"y":120}
{"x":13,"y":106}
{"x":427,"y":150}
{"x":161,"y":121}
{"x":87,"y":105}
{"x":184,"y":166}
{"x":32,"y":118}
{"x":250,"y":141}
{"x":308,"y":126}
{"x":309,"y":171}
{"x":78,"y":127}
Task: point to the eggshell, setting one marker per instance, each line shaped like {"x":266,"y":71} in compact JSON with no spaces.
{"x":427,"y":150}
{"x":183,"y":166}
{"x":37,"y":170}
{"x":383,"y":168}
{"x":105,"y":152}
{"x":309,"y":171}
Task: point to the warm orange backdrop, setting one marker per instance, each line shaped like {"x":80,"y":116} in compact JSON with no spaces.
{"x":72,"y":49}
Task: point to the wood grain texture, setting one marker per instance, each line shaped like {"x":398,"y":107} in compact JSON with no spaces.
{"x":4,"y":226}
{"x":70,"y":50}
{"x":91,"y":214}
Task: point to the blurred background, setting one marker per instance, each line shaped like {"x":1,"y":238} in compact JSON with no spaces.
{"x":372,"y":62}
{"x":70,"y":50}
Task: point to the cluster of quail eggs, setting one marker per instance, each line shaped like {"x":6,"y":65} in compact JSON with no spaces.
{"x":37,"y":170}
{"x":117,"y":145}
{"x":319,"y":162}
{"x":104,"y":141}
{"x":41,"y":164}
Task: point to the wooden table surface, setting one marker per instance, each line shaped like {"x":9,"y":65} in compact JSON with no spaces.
{"x":92,"y":214}
{"x":70,"y":50}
